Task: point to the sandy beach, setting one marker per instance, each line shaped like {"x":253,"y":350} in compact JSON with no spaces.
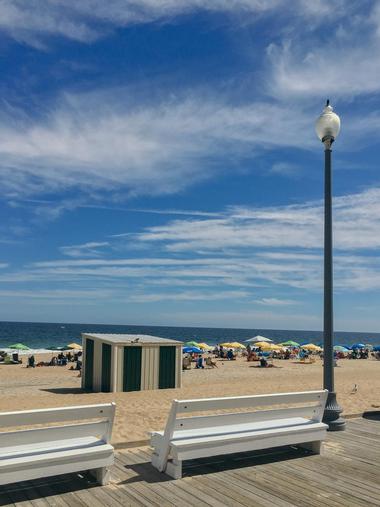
{"x":140,"y":412}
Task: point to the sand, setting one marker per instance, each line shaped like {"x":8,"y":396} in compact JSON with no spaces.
{"x":143,"y":411}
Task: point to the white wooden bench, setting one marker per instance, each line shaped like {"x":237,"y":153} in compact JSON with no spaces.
{"x":210,"y":435}
{"x":63,"y":448}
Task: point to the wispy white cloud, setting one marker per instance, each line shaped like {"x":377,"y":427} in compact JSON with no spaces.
{"x":31,"y":21}
{"x":90,"y":249}
{"x":341,"y":64}
{"x":246,"y":249}
{"x":356,"y":222}
{"x":206,"y":295}
{"x":100,"y":141}
{"x":275,"y":302}
{"x":286,"y":169}
{"x":61,"y":294}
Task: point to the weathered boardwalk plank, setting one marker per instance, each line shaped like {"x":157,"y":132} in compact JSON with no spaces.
{"x":347,"y":475}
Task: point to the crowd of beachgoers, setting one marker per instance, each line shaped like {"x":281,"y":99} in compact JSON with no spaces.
{"x":263,"y":350}
{"x":60,"y":356}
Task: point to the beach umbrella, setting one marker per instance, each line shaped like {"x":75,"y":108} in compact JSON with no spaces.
{"x":18,"y":346}
{"x":258,"y":338}
{"x":57,"y":349}
{"x":377,"y":348}
{"x":262,"y":344}
{"x":205,"y":346}
{"x":192,"y":344}
{"x":340,"y":348}
{"x":312,"y":347}
{"x":74,"y":346}
{"x":270,"y":346}
{"x":289,"y":343}
{"x":226,"y":344}
{"x":191,"y":350}
{"x":237,"y":345}
{"x":358,"y":346}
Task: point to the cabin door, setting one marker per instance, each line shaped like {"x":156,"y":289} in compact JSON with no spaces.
{"x":166,"y":378}
{"x":89,"y":365}
{"x":132,"y":369}
{"x":106,"y":368}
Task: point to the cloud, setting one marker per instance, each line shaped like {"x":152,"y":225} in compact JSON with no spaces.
{"x":32,"y":21}
{"x":339,"y":65}
{"x":90,"y":249}
{"x":356,"y":222}
{"x":248,"y":249}
{"x":61,"y":294}
{"x":99,"y":143}
{"x":285,"y":169}
{"x":275,"y":302}
{"x":189,"y":296}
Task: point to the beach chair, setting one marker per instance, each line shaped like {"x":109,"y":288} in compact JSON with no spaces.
{"x":46,"y":451}
{"x":186,"y":363}
{"x":298,"y":421}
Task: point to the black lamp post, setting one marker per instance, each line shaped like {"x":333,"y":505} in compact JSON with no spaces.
{"x":327,"y":127}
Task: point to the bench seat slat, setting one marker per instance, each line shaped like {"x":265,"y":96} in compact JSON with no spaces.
{"x":50,"y":415}
{"x":260,"y":400}
{"x":39,"y":458}
{"x":47,"y":434}
{"x":238,"y":429}
{"x":248,"y":433}
{"x":268,"y":441}
{"x":53,"y":445}
{"x":185,"y":423}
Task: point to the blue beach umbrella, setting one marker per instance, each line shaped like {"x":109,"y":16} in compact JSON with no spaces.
{"x":358,"y":346}
{"x":191,"y":350}
{"x":377,"y":348}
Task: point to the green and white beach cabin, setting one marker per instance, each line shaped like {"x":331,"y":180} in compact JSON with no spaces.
{"x":128,"y":362}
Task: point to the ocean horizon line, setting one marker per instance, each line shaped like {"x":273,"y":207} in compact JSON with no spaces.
{"x":183,"y":326}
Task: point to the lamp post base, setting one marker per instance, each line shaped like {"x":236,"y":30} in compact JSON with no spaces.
{"x":331,"y":415}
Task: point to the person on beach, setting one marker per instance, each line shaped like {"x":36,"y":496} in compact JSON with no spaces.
{"x":31,"y":362}
{"x":199,"y":363}
{"x":230,"y":355}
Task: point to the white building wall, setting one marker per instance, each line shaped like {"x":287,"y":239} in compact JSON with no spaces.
{"x":149,"y":367}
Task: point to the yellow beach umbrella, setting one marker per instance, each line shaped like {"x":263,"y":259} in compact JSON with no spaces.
{"x":74,"y":346}
{"x":312,"y":347}
{"x":262,"y":345}
{"x":227,"y":345}
{"x":205,"y":346}
{"x":268,"y":346}
{"x":237,"y":345}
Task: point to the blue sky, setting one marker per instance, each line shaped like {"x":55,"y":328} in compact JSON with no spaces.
{"x":159,"y":163}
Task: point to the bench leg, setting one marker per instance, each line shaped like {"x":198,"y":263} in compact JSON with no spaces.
{"x":102,"y":475}
{"x":315,"y":447}
{"x":174,"y":469}
{"x":155,"y":460}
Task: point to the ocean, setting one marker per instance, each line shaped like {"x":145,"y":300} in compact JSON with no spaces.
{"x":41,"y":336}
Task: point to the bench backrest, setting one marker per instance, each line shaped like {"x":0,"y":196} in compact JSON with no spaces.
{"x":98,"y":423}
{"x":309,"y":404}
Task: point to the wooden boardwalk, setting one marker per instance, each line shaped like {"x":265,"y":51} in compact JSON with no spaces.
{"x":347,"y":475}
